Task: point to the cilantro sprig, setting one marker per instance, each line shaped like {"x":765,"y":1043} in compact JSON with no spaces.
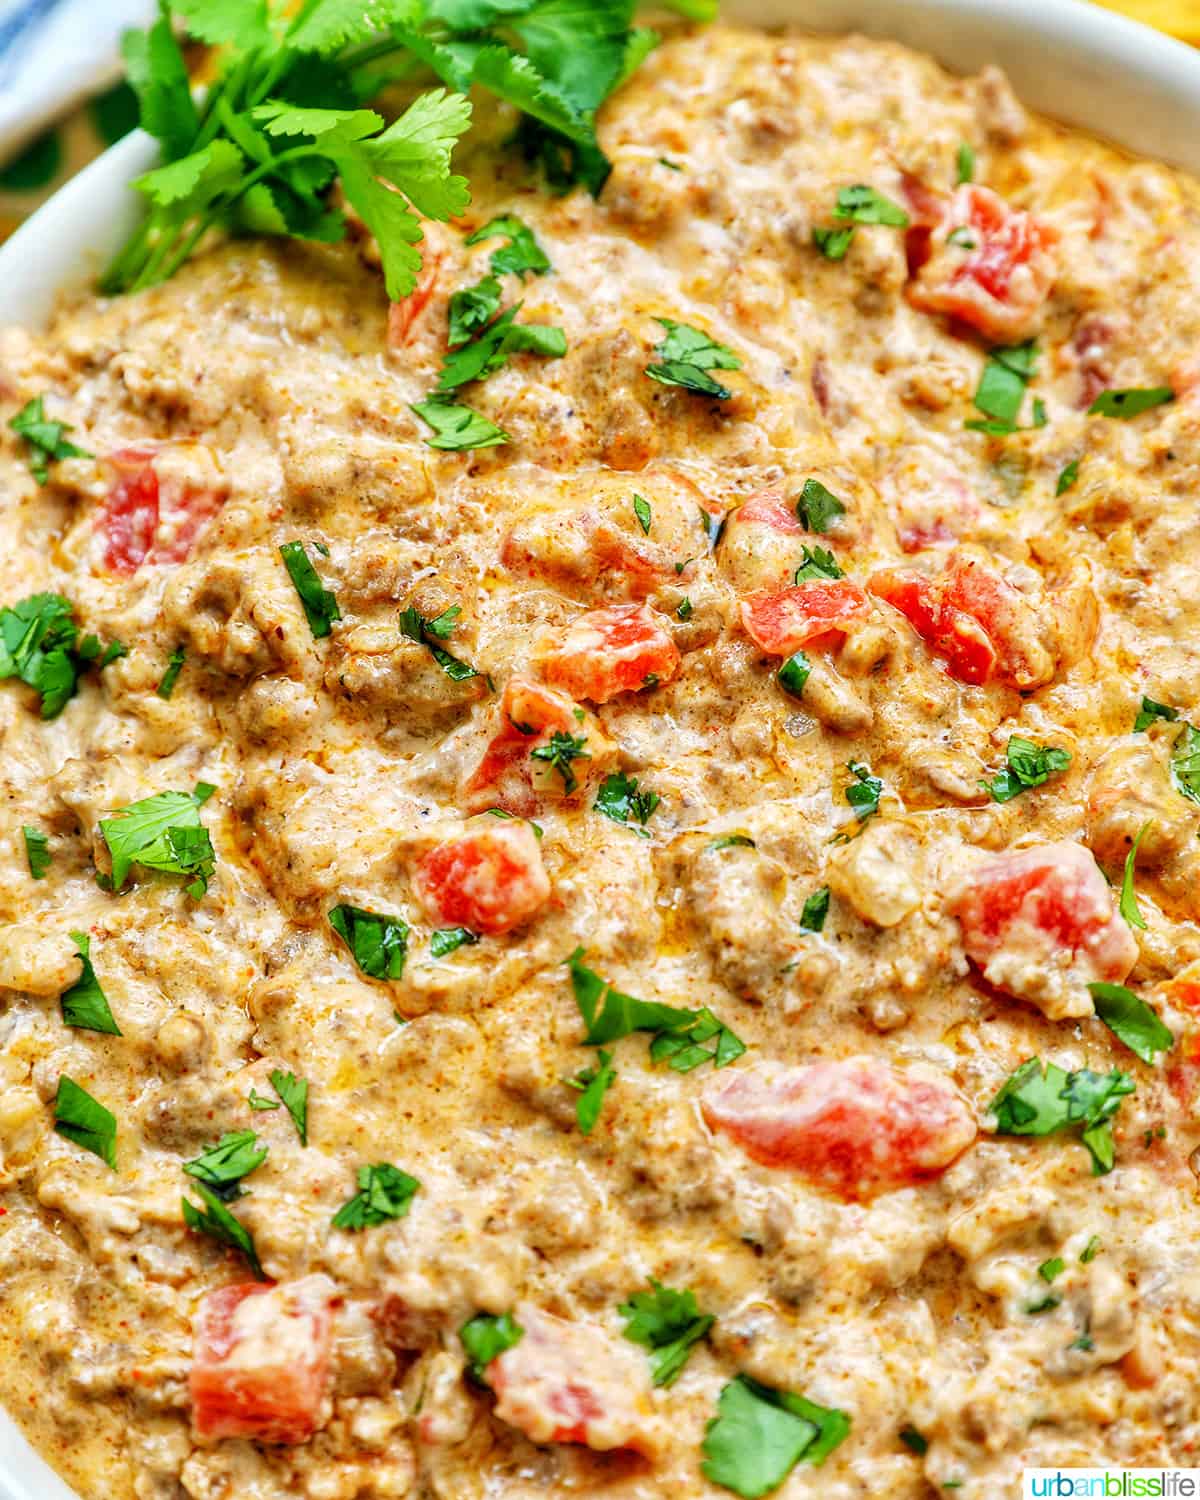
{"x":283,"y":118}
{"x":669,"y":1324}
{"x":620,"y":798}
{"x":40,"y":645}
{"x":1132,"y":1021}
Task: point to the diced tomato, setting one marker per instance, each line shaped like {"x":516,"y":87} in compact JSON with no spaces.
{"x":508,"y":776}
{"x":762,"y":544}
{"x":767,"y":509}
{"x":990,"y":265}
{"x":611,"y":651}
{"x":973,"y":618}
{"x":1042,"y":925}
{"x":781,"y":622}
{"x":404,"y":315}
{"x":490,"y":879}
{"x":260,"y":1363}
{"x":161,"y":498}
{"x":857,"y":1127}
{"x":573,"y":1383}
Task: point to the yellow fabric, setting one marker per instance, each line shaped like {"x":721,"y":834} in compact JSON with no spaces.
{"x":1180,"y":17}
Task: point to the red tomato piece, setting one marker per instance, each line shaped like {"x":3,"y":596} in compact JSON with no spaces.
{"x":161,"y":498}
{"x":990,"y":265}
{"x":404,"y":315}
{"x":490,"y":879}
{"x":260,"y":1363}
{"x":781,"y":622}
{"x":611,"y":651}
{"x":767,"y":509}
{"x":978,"y":622}
{"x":856,"y":1128}
{"x":1042,"y":925}
{"x":762,"y":544}
{"x":507,"y":776}
{"x":573,"y":1383}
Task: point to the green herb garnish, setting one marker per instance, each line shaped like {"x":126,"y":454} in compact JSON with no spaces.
{"x":759,"y":1435}
{"x":485,"y":1338}
{"x":171,"y":676}
{"x":593,"y":1084}
{"x":816,"y":909}
{"x":560,"y":751}
{"x":449,"y":939}
{"x":641,"y":509}
{"x":964,"y":163}
{"x":669,"y":1324}
{"x":1067,"y":477}
{"x":294,"y":1093}
{"x":619,"y":798}
{"x":384,"y":1192}
{"x":1150,"y":712}
{"x":833,"y":243}
{"x":378,"y":942}
{"x":818,"y":508}
{"x":1029,"y":765}
{"x":1129,"y":903}
{"x":1131,"y":1020}
{"x":222,"y":1167}
{"x":431,"y":633}
{"x":162,"y":833}
{"x":46,"y":439}
{"x":216,"y":1221}
{"x":37,"y":851}
{"x":817,"y":562}
{"x":864,"y":205}
{"x":794,"y":673}
{"x":1131,"y":402}
{"x":39,"y":644}
{"x":320,"y":606}
{"x":84,"y":1121}
{"x":85,"y":1005}
{"x":1041,"y":1099}
{"x":457,"y":428}
{"x":864,"y":792}
{"x":685,"y":356}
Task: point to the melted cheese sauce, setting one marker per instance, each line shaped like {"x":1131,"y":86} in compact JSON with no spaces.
{"x":339,"y":763}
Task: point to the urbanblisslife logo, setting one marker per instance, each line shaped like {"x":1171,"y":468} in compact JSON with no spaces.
{"x":1111,"y":1484}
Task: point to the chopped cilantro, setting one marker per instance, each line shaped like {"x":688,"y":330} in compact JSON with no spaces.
{"x":38,"y":645}
{"x":448,"y":939}
{"x":794,"y":673}
{"x":641,"y":509}
{"x":217,"y":1221}
{"x":961,"y":237}
{"x":162,"y":833}
{"x":864,"y":205}
{"x":429,"y":633}
{"x":559,"y":751}
{"x":684,"y":609}
{"x":171,"y":676}
{"x":485,"y":1338}
{"x":46,"y":439}
{"x":1044,"y":1303}
{"x":1090,"y":1250}
{"x":817,"y":562}
{"x":669,"y":1324}
{"x":1001,"y":390}
{"x":222,"y":1167}
{"x":816,"y":909}
{"x":1131,"y":1020}
{"x":1041,"y":1099}
{"x":37,"y":851}
{"x":294,"y":1093}
{"x":457,"y":428}
{"x":1049,"y":1269}
{"x":833,"y":243}
{"x":1131,"y":402}
{"x":257,"y":1102}
{"x":914,"y":1442}
{"x":731,"y":841}
{"x":522,"y":255}
{"x":378,"y":942}
{"x":1129,"y":903}
{"x":593,"y":1084}
{"x":685,"y":356}
{"x":964,"y":163}
{"x":84,"y":1121}
{"x":489,"y":351}
{"x":619,"y":798}
{"x":864,"y":791}
{"x":320,"y":606}
{"x":85,"y":1004}
{"x":818,"y":507}
{"x":1150,"y":712}
{"x":473,"y":308}
{"x":1067,"y":477}
{"x":1029,"y":765}
{"x":1185,"y":762}
{"x":759,"y":1435}
{"x":384,"y":1192}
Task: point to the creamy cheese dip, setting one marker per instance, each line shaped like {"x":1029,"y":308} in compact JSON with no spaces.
{"x":971,"y":1287}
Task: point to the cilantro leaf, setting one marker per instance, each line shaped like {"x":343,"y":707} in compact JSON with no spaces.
{"x":593,"y":1084}
{"x":384,"y":1192}
{"x":333,"y":24}
{"x":522,"y":255}
{"x":38,"y":646}
{"x":85,"y":1122}
{"x":1132,"y":1021}
{"x":1150,"y":712}
{"x":457,"y":428}
{"x":1041,"y":1099}
{"x":37,"y":851}
{"x":759,"y":1435}
{"x":669,"y":1324}
{"x":47,"y":439}
{"x":864,"y":791}
{"x":1067,"y":477}
{"x":618,"y":798}
{"x":256,"y":1101}
{"x":428,"y":633}
{"x":641,"y":509}
{"x":1185,"y":762}
{"x":816,"y":909}
{"x":1001,"y":389}
{"x":686,"y":354}
{"x":473,"y":308}
{"x":216,"y":1221}
{"x":163,"y":833}
{"x":449,"y":939}
{"x":222,"y":1167}
{"x":817,"y":562}
{"x":559,"y":751}
{"x":1029,"y":765}
{"x":294,"y":1093}
{"x":489,"y":352}
{"x":795,"y":672}
{"x":864,"y":205}
{"x":158,"y":75}
{"x":171,"y":676}
{"x":85,"y":1005}
{"x":378,"y":942}
{"x":485,"y":1338}
{"x":818,"y":507}
{"x":1131,"y":402}
{"x":1129,"y":905}
{"x":833,"y":243}
{"x":964,"y":163}
{"x":320,"y":606}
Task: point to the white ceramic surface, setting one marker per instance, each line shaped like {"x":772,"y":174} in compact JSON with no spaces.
{"x":1068,"y":59}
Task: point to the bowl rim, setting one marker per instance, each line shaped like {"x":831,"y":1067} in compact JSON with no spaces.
{"x":1090,"y":67}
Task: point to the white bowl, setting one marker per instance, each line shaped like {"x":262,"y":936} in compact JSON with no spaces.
{"x":1066,"y":58}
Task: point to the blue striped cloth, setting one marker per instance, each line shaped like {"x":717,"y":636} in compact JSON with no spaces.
{"x":53,"y":53}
